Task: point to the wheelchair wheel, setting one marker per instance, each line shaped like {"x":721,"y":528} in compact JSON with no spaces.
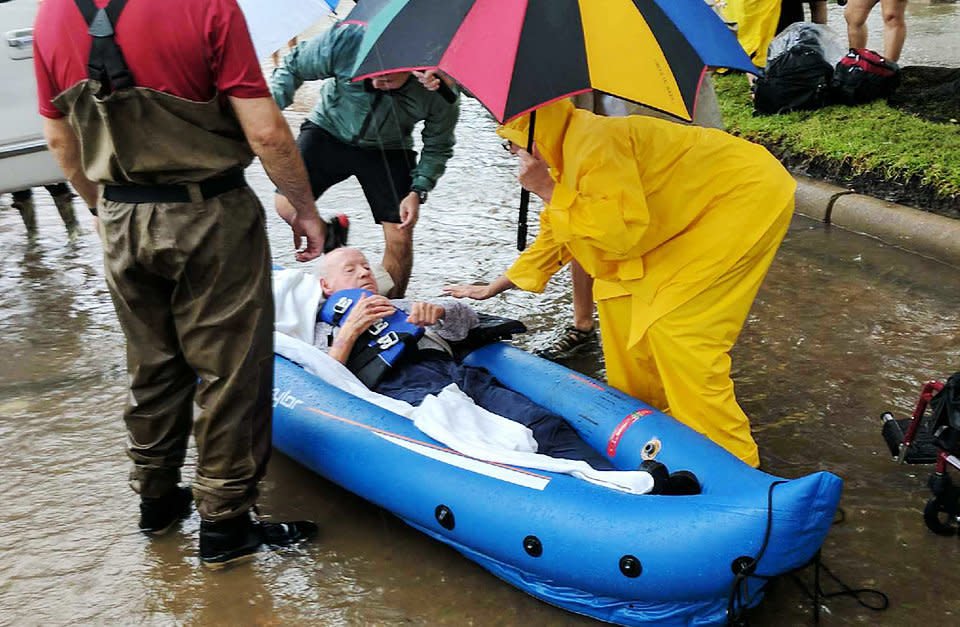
{"x":939,"y":517}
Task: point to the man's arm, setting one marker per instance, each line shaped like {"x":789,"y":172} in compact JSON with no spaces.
{"x":308,"y":61}
{"x":65,"y":146}
{"x":270,"y":138}
{"x":438,"y":141}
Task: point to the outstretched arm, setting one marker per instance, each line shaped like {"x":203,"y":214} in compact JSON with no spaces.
{"x":481,"y":292}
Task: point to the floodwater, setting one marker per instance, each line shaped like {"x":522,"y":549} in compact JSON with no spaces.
{"x":843,"y":329}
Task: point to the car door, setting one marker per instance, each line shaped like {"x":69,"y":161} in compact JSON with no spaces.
{"x":24,"y":159}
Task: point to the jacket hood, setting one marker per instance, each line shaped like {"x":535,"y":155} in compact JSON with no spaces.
{"x":551,"y":127}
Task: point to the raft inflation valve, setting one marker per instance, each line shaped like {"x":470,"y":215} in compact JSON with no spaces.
{"x":444,"y":517}
{"x":650,"y":449}
{"x":630,"y":566}
{"x":531,"y":544}
{"x":743,"y":564}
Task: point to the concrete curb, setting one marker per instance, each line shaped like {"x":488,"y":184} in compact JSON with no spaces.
{"x":915,"y":230}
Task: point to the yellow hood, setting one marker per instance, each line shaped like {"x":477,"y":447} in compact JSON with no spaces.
{"x":548,"y":133}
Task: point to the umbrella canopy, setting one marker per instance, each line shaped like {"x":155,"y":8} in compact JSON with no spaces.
{"x":516,"y":55}
{"x":364,"y":11}
{"x":273,"y":23}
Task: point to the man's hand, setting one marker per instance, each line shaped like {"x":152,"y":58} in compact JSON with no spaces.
{"x":476,"y":292}
{"x":365,"y":312}
{"x":431,"y":79}
{"x":535,"y":175}
{"x":425,"y":314}
{"x":409,"y":211}
{"x":309,"y":226}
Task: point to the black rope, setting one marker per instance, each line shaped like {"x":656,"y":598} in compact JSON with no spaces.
{"x":861,"y":595}
{"x":737,"y":602}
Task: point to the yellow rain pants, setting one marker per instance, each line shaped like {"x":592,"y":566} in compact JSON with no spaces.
{"x":682,"y":364}
{"x":677,"y":225}
{"x":756,"y":25}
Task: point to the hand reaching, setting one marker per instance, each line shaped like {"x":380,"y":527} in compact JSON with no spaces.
{"x":476,"y":292}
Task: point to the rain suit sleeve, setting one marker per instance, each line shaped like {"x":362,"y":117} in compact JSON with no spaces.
{"x":598,"y":213}
{"x":438,"y":140}
{"x":321,"y":57}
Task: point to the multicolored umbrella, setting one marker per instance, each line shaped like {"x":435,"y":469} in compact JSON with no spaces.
{"x":517,"y":55}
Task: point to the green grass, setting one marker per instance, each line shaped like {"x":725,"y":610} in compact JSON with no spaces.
{"x":868,"y":138}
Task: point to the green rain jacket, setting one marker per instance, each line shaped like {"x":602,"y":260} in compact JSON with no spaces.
{"x":364,"y":117}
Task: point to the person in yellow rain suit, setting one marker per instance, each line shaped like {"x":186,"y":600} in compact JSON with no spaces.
{"x":756,"y":25}
{"x":678,"y":226}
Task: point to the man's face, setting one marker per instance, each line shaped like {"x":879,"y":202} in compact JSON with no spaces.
{"x":347,"y":268}
{"x":387,"y":82}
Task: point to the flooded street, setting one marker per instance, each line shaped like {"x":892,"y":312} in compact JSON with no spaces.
{"x":843,"y":329}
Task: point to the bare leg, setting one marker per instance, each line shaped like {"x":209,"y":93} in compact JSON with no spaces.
{"x":818,"y":12}
{"x":582,"y":297}
{"x":398,"y":257}
{"x":894,"y":28}
{"x":856,"y":16}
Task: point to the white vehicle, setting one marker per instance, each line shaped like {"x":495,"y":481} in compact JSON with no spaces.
{"x":24,"y":159}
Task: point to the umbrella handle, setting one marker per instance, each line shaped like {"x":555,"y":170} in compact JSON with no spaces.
{"x":447,"y":93}
{"x":525,"y":194}
{"x":522,"y":222}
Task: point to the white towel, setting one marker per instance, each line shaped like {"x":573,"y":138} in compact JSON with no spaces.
{"x":455,"y":420}
{"x":296,"y":296}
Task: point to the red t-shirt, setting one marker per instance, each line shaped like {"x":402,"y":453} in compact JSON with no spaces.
{"x":187,"y":48}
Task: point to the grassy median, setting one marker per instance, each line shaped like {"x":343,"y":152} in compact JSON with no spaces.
{"x":873,"y":148}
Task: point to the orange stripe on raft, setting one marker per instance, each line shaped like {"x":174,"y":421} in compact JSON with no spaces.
{"x":625,"y":424}
{"x":592,"y":384}
{"x":420,"y":442}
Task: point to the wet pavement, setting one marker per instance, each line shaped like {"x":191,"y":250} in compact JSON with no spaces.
{"x":843,"y":329}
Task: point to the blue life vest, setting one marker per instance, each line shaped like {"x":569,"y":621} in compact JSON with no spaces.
{"x":381,"y":346}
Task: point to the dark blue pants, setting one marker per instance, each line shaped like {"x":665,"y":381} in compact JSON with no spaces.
{"x":431,"y":371}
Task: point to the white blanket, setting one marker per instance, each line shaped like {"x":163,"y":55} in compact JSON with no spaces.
{"x":296,"y":296}
{"x":455,"y":420}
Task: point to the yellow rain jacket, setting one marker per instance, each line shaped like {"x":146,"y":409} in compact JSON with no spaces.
{"x":756,"y":25}
{"x":657,"y":213}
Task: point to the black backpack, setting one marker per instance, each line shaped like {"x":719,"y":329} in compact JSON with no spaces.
{"x":862,"y":76}
{"x":799,"y":78}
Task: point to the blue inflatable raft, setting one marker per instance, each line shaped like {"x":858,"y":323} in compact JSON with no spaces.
{"x":614,"y":556}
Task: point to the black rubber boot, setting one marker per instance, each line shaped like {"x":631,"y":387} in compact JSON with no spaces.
{"x":28,"y":214}
{"x":159,"y":515}
{"x":234,"y":540}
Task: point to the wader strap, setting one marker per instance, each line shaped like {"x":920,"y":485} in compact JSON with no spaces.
{"x":106,"y":64}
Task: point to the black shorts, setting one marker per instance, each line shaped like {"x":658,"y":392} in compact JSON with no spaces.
{"x":384,"y":175}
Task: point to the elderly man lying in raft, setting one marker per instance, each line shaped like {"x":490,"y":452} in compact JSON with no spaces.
{"x":428,"y":366}
{"x":413,"y":359}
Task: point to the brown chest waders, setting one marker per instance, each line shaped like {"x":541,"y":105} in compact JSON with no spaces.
{"x":188,"y":266}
